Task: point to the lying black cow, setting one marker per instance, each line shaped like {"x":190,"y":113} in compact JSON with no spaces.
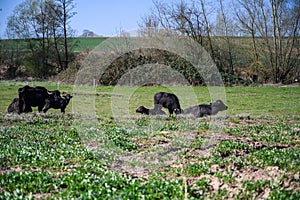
{"x":206,"y":109}
{"x":57,"y":102}
{"x":14,"y":107}
{"x":34,"y":97}
{"x":167,"y":100}
{"x":145,"y":111}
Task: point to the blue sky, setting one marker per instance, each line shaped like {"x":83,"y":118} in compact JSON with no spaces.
{"x":104,"y":17}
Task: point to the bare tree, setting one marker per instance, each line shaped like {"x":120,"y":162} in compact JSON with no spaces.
{"x":225,"y":21}
{"x":181,"y":17}
{"x":185,"y":18}
{"x":273,"y":26}
{"x":149,"y":25}
{"x":67,"y":11}
{"x":61,"y":11}
{"x":247,"y":15}
{"x":44,"y":26}
{"x":276,"y":22}
{"x":207,"y":26}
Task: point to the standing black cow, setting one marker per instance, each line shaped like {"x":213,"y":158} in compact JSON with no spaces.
{"x":167,"y":100}
{"x":203,"y":110}
{"x":57,"y":102}
{"x":34,"y":96}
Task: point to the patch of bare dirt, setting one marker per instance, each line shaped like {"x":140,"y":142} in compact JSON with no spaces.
{"x":162,"y":151}
{"x":250,"y":173}
{"x":156,"y":153}
{"x":42,"y":195}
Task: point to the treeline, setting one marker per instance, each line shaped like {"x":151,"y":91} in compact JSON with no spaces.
{"x":40,"y":38}
{"x":250,"y":41}
{"x":270,"y":51}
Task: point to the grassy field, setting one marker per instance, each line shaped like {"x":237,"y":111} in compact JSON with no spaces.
{"x":88,"y":44}
{"x":277,"y":102}
{"x":82,"y":44}
{"x":251,"y":151}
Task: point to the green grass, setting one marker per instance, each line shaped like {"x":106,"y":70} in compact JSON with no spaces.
{"x":266,"y":101}
{"x":82,"y":44}
{"x":251,"y":151}
{"x":88,"y":44}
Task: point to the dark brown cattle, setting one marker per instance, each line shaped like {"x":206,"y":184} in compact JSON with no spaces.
{"x":57,"y":102}
{"x":167,"y":100}
{"x":206,"y":109}
{"x":34,"y":97}
{"x":145,"y":111}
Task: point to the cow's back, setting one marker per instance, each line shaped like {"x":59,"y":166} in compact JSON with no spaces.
{"x":157,"y":97}
{"x":193,"y":110}
{"x":32,"y":97}
{"x":163,"y":96}
{"x":37,"y":96}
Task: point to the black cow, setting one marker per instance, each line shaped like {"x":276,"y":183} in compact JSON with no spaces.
{"x":34,"y":96}
{"x":206,"y":109}
{"x":57,"y":102}
{"x":167,"y":100}
{"x":145,"y":111}
{"x":14,"y":107}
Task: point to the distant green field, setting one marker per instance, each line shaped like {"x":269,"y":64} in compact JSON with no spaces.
{"x":82,"y":44}
{"x":88,"y":44}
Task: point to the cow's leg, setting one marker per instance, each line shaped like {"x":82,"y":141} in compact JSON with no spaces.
{"x":21,"y":104}
{"x":203,"y":114}
{"x":46,"y":108}
{"x":40,"y":108}
{"x":27,"y":109}
{"x":170,"y":111}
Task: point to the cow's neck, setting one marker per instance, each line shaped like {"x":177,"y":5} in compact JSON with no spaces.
{"x":67,"y":100}
{"x":214,"y":110}
{"x":147,"y":111}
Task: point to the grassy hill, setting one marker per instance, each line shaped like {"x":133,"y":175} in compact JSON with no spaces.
{"x":82,"y":44}
{"x":88,"y":44}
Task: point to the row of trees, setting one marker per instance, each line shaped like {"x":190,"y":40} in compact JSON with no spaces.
{"x":42,"y":28}
{"x":270,"y":30}
{"x":252,"y":39}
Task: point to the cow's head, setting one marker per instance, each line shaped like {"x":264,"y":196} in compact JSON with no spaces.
{"x":178,"y":111}
{"x":142,"y":110}
{"x":23,"y":89}
{"x":218,"y":106}
{"x":68,"y":97}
